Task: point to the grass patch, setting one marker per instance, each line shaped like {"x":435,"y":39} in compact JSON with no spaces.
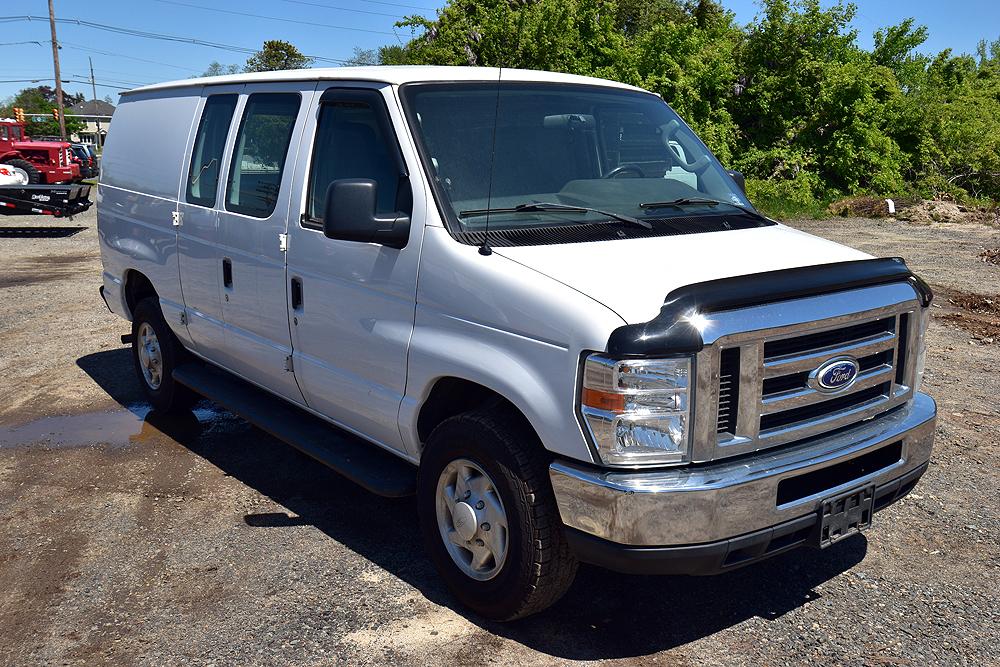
{"x":789,"y":209}
{"x":786,"y":200}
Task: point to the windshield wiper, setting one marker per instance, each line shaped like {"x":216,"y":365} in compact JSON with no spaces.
{"x":691,"y":201}
{"x":547,"y":207}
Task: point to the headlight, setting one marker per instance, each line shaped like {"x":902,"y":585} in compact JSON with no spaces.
{"x":638,"y":410}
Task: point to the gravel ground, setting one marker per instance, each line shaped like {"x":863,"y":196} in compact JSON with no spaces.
{"x":127,"y":538}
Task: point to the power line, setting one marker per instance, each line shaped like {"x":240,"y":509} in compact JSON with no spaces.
{"x":64,"y":44}
{"x":274,"y":18}
{"x":105,"y":70}
{"x":50,"y":78}
{"x":122,"y":81}
{"x":397,"y":4}
{"x":343,"y":9}
{"x":105,"y":85}
{"x":153,"y":35}
{"x":80,"y":47}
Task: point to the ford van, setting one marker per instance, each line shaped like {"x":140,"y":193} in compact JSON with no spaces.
{"x":536,"y":302}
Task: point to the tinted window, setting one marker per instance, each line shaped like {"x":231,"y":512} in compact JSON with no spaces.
{"x":490,"y":146}
{"x":3,"y":132}
{"x":350,"y":143}
{"x":16,"y":132}
{"x":203,"y":176}
{"x":259,"y":156}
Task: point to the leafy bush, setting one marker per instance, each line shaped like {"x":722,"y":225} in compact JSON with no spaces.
{"x":791,"y":99}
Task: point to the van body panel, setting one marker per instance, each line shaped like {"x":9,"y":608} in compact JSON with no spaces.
{"x":156,"y":169}
{"x":351,"y":332}
{"x":199,"y":255}
{"x":137,"y":195}
{"x":255,"y":306}
{"x":503,"y":325}
{"x":137,"y":234}
{"x":394,"y":75}
{"x":657,"y":266}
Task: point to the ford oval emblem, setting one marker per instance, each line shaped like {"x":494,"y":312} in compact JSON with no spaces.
{"x":835,"y":375}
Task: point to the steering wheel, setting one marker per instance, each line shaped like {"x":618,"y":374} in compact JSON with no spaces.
{"x":624,"y":168}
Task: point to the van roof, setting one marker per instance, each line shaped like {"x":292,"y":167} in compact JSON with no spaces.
{"x":392,"y":74}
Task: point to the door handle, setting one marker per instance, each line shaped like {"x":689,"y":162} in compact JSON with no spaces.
{"x":296,"y":294}
{"x":227,"y":272}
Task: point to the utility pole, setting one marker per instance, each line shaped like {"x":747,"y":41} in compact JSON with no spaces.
{"x":55,"y":64}
{"x":93,"y":87}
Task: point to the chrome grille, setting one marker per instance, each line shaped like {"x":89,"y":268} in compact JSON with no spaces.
{"x":788,"y":403}
{"x":729,"y":390}
{"x":758,"y":392}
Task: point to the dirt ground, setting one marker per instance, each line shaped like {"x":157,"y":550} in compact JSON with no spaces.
{"x":129,"y":538}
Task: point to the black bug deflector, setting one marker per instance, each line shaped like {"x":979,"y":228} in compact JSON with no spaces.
{"x":670,"y":332}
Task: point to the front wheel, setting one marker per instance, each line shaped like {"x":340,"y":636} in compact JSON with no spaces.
{"x":489,"y":518}
{"x":156,"y":352}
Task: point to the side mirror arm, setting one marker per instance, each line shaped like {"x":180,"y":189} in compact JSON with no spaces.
{"x":740,"y":179}
{"x":392,"y":231}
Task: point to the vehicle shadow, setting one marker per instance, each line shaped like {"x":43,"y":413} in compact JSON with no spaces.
{"x":605,"y":615}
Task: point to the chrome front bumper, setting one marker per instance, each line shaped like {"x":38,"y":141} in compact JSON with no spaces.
{"x":700,"y":504}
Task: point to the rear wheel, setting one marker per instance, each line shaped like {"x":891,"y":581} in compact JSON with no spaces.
{"x":156,"y":352}
{"x":28,"y":169}
{"x":489,"y":518}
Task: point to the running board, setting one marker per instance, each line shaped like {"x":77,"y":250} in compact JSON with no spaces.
{"x":358,"y":460}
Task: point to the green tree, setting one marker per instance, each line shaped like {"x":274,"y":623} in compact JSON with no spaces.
{"x":895,"y":48}
{"x":215,"y":68}
{"x":277,"y":55}
{"x":364,"y":57}
{"x":40,"y":100}
{"x":790,"y":99}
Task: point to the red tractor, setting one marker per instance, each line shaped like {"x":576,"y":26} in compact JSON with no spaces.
{"x":39,"y":161}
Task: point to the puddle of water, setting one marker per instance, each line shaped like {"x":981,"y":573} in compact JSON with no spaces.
{"x":118,"y":428}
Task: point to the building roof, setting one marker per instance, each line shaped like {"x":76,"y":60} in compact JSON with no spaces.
{"x":92,"y":108}
{"x":392,"y":74}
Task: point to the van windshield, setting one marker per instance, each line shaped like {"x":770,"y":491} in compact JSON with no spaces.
{"x":567,"y":156}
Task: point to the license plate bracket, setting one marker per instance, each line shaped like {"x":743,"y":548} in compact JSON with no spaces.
{"x":845,"y":514}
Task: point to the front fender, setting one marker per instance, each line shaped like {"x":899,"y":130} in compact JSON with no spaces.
{"x":538,"y":378}
{"x":502,"y":325}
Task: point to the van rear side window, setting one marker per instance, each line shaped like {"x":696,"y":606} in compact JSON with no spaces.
{"x":259,"y":156}
{"x":203,"y":176}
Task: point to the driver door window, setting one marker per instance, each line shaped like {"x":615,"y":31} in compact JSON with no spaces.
{"x":350,"y":144}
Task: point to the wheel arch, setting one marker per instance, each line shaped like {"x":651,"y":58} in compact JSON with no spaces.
{"x":452,"y":395}
{"x":136,"y":288}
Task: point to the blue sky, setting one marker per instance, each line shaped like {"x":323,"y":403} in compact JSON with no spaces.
{"x":328,"y":28}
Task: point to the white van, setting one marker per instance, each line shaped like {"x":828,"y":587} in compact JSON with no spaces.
{"x":536,"y":301}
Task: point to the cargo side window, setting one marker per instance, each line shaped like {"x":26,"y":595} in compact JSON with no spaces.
{"x":259,"y":155}
{"x":352,"y":142}
{"x":203,"y":176}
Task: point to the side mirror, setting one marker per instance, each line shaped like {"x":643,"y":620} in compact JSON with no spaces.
{"x":349,"y":215}
{"x":740,"y":180}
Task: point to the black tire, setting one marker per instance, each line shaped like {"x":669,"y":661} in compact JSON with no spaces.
{"x":539,"y":567}
{"x":167,"y":395}
{"x":34,"y":176}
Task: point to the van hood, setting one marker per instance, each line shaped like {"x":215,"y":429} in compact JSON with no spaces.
{"x":633,"y":276}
